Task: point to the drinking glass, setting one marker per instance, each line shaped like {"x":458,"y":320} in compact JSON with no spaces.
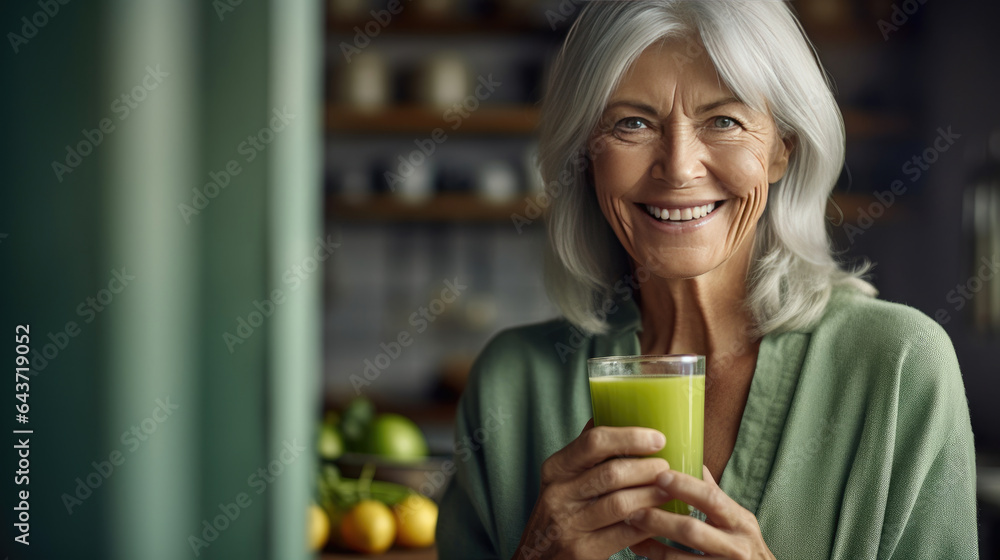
{"x":665,"y":393}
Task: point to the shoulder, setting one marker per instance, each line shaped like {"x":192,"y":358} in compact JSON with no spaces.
{"x":868,"y":324}
{"x":529,"y":347}
{"x":893,"y":346}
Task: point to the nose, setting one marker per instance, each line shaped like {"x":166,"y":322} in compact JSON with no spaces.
{"x":679,"y":159}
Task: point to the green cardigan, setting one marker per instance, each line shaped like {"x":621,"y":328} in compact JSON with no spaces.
{"x":855,"y":442}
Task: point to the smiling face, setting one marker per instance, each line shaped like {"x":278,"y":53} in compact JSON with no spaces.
{"x":681,"y":167}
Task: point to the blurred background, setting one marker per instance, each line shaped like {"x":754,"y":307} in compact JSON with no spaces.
{"x":331,"y":203}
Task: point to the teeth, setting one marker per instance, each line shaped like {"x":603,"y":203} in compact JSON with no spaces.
{"x":680,"y":214}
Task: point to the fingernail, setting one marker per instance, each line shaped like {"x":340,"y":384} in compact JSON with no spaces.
{"x":664,"y":479}
{"x":637,"y":516}
{"x":657,"y":440}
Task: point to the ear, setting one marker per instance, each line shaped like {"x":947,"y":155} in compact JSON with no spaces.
{"x":779,"y":159}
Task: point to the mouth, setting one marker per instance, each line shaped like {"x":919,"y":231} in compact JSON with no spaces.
{"x":679,"y":215}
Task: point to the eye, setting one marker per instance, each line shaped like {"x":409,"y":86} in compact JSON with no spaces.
{"x":726,"y":123}
{"x":631,"y":124}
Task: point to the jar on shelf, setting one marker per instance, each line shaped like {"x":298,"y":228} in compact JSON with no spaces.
{"x":444,"y":80}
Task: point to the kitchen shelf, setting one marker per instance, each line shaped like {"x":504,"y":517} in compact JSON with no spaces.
{"x":451,"y":207}
{"x":512,"y":119}
{"x":851,"y":205}
{"x":870,"y":124}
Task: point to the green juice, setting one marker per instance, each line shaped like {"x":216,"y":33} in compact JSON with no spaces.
{"x":672,"y":404}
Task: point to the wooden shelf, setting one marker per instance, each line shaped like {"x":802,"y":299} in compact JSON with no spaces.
{"x":847,"y":207}
{"x":443,"y":208}
{"x":514,"y":119}
{"x":868,"y":124}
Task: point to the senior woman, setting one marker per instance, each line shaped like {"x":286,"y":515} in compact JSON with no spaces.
{"x":690,"y":148}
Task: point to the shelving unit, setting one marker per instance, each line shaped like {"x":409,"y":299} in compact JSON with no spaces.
{"x":416,"y":119}
{"x":457,"y":230}
{"x":442,"y":208}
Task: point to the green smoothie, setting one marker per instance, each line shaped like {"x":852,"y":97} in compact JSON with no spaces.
{"x":672,"y":404}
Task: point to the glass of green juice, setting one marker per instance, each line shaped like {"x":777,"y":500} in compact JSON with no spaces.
{"x":666,"y":393}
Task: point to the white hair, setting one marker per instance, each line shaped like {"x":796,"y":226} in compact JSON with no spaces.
{"x":763,"y":56}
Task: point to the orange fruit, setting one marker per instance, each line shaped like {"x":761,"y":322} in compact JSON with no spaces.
{"x":416,"y":520}
{"x":368,"y":527}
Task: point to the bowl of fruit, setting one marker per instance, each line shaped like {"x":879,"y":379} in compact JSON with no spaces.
{"x":377,"y":485}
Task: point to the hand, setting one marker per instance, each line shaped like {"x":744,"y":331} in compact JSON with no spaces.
{"x":589,"y":489}
{"x":731,"y":532}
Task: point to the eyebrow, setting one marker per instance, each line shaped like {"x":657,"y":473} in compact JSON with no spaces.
{"x":701,"y":109}
{"x":635,"y":105}
{"x":716,"y":104}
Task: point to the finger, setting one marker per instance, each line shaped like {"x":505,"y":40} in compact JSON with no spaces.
{"x":688,"y":531}
{"x":619,"y":506}
{"x":703,"y":495}
{"x":658,"y":551}
{"x":609,"y":540}
{"x":707,"y":475}
{"x":599,"y":444}
{"x":616,"y":474}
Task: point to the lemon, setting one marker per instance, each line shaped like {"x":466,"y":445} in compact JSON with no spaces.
{"x":416,"y":519}
{"x":368,"y":527}
{"x":396,"y":437}
{"x":319,"y":528}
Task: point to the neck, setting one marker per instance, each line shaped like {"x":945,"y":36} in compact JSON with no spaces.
{"x":703,"y":315}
